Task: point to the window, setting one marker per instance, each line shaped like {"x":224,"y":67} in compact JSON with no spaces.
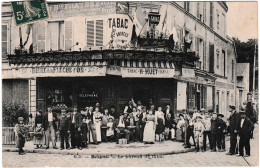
{"x":187,"y":6}
{"x":56,"y":35}
{"x":41,"y":37}
{"x":95,"y":33}
{"x":224,"y":63}
{"x":218,"y":20}
{"x":4,"y":41}
{"x":211,"y":15}
{"x":211,"y":58}
{"x":223,"y":24}
{"x":217,"y":59}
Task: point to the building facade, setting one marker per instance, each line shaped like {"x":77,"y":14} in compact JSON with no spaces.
{"x":160,"y":53}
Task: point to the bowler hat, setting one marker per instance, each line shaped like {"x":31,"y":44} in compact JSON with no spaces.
{"x":232,"y":107}
{"x":249,"y":93}
{"x":220,"y":115}
{"x":181,"y":115}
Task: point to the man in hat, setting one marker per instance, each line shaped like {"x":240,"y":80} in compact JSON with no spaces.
{"x":221,"y":137}
{"x":64,"y":128}
{"x":232,"y":123}
{"x":198,"y":132}
{"x":215,"y":132}
{"x":76,"y":123}
{"x":90,"y":118}
{"x":245,"y":129}
{"x":50,"y":127}
{"x":120,"y":127}
{"x":20,"y":132}
{"x":207,"y":131}
{"x":249,"y":108}
{"x":142,"y":123}
{"x":189,"y":131}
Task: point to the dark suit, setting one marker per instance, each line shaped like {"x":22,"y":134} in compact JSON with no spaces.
{"x":91,"y":126}
{"x":250,"y":112}
{"x":50,"y":128}
{"x":215,"y":133}
{"x":171,"y":112}
{"x":141,"y":126}
{"x":233,"y":121}
{"x":64,"y":127}
{"x":74,"y":129}
{"x":122,"y":130}
{"x":245,"y":133}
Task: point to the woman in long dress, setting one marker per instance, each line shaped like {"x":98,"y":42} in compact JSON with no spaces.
{"x":40,"y":139}
{"x":149,"y":129}
{"x":98,"y":122}
{"x":159,"y":122}
{"x":180,"y":128}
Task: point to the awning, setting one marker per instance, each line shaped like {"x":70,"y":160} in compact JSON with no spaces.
{"x":78,"y":69}
{"x":144,"y":69}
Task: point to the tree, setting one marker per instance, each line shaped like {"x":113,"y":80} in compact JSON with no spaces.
{"x":245,"y":54}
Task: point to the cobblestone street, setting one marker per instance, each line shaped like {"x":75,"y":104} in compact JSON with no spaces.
{"x":12,"y":159}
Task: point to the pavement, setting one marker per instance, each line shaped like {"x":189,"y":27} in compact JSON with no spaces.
{"x":167,"y":154}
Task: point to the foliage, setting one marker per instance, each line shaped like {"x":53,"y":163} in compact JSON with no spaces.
{"x":11,"y":112}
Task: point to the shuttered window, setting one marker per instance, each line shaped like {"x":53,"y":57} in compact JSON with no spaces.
{"x":95,"y":33}
{"x":4,"y":41}
{"x":211,"y":15}
{"x":41,"y":37}
{"x":68,"y":35}
{"x":56,"y":35}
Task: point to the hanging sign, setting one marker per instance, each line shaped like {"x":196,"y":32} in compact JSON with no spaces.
{"x":120,"y":28}
{"x":147,"y":72}
{"x":56,"y":71}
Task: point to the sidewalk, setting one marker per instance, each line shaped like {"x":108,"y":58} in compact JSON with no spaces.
{"x":111,"y":149}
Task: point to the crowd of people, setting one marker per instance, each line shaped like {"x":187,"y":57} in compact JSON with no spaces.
{"x":137,"y":123}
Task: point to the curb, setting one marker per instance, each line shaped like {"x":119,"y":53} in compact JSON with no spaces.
{"x":43,"y":151}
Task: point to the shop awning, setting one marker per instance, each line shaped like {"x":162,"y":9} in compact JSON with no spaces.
{"x":77,"y":69}
{"x":144,"y":69}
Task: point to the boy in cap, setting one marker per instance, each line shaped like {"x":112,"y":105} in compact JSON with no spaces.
{"x":64,"y":128}
{"x":245,"y":130}
{"x":20,"y":131}
{"x":215,"y":132}
{"x":198,"y":132}
{"x":221,"y":137}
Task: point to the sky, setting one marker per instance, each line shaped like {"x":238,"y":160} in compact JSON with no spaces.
{"x":242,"y":20}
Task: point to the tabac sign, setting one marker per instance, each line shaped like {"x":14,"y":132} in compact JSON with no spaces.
{"x":147,"y":72}
{"x":29,"y":11}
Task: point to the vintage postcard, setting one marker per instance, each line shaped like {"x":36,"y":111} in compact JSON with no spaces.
{"x":129,"y":84}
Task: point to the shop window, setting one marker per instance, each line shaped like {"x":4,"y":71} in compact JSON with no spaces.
{"x":95,"y":33}
{"x":4,"y":41}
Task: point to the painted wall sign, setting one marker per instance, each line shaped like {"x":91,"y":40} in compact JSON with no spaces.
{"x":62,"y":10}
{"x":147,"y":73}
{"x":114,"y":70}
{"x":29,"y":11}
{"x":120,"y":27}
{"x":188,"y":73}
{"x":59,"y":71}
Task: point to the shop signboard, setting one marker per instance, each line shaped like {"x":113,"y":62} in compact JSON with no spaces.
{"x":147,"y":72}
{"x":188,"y":73}
{"x":114,"y":70}
{"x":120,"y":31}
{"x":58,"y":71}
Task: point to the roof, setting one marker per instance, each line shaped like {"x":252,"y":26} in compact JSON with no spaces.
{"x":242,"y":69}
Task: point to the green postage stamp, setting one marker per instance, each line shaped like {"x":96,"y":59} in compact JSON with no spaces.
{"x":29,"y":11}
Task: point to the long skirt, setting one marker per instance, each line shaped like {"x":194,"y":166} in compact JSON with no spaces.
{"x":98,"y":131}
{"x":160,"y":126}
{"x":179,"y":135}
{"x":20,"y":141}
{"x":41,"y":141}
{"x":149,"y":132}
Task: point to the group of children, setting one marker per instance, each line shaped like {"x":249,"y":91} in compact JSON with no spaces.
{"x":202,"y":125}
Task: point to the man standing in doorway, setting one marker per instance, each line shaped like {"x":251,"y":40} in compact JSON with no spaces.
{"x":50,"y":127}
{"x":232,"y":123}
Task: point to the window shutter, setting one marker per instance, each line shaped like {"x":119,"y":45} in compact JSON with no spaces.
{"x":68,"y":35}
{"x":41,"y":37}
{"x":90,"y":33}
{"x":4,"y":41}
{"x":99,"y":33}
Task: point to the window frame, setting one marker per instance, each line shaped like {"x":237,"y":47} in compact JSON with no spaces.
{"x":7,"y":40}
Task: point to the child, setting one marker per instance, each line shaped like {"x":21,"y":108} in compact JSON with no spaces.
{"x":64,"y":127}
{"x":20,"y":131}
{"x":198,"y":132}
{"x":221,"y":138}
{"x":39,"y":138}
{"x":84,"y":131}
{"x":110,"y":130}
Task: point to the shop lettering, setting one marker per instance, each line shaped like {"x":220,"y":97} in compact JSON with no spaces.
{"x":118,"y":23}
{"x":88,"y":95}
{"x":58,"y":70}
{"x":147,"y":71}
